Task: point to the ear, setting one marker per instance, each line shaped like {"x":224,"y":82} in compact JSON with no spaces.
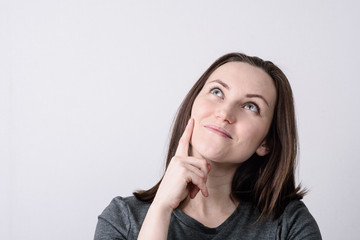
{"x":263,"y":149}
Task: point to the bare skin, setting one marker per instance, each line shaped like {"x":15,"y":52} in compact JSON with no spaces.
{"x":213,"y":210}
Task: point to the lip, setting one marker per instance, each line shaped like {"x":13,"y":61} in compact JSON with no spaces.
{"x":218,"y":130}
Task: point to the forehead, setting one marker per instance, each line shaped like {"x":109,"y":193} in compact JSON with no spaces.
{"x":245,"y":79}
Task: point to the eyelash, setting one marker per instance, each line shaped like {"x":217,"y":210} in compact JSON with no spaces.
{"x":216,"y":88}
{"x":255,"y":105}
{"x":257,"y":111}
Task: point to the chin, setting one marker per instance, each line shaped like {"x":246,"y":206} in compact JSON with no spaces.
{"x":211,"y":153}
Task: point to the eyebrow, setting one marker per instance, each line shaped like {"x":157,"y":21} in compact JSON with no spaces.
{"x":221,"y":83}
{"x":247,"y":95}
{"x":257,"y":96}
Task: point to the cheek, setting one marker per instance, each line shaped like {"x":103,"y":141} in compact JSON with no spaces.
{"x":200,"y":109}
{"x":251,"y":134}
{"x":197,"y":134}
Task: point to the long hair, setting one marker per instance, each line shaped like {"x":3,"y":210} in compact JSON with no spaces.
{"x":267,"y":182}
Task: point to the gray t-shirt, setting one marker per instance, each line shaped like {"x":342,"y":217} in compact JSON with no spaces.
{"x":123,"y":218}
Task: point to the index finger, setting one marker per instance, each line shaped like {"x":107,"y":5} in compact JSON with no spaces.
{"x":183,"y":147}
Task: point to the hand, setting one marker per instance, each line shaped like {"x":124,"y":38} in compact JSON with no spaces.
{"x":184,"y":176}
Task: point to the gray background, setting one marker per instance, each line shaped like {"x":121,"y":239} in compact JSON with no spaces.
{"x":88,"y":91}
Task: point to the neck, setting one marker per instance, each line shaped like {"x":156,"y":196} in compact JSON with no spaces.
{"x":219,"y":201}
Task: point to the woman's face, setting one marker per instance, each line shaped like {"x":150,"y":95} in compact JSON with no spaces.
{"x":233,"y":113}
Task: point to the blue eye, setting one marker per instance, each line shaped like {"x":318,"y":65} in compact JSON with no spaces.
{"x":217,"y":92}
{"x":252,"y":107}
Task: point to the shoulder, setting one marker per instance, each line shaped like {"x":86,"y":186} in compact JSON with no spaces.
{"x":122,"y":216}
{"x":121,"y":203}
{"x":298,"y":223}
{"x":125,"y":208}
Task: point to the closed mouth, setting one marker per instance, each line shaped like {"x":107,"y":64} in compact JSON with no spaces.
{"x":218,"y":130}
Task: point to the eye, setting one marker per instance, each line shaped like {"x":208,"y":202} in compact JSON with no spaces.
{"x":252,"y":107}
{"x":217,"y":92}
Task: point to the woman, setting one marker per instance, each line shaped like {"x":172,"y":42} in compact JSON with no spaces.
{"x":230,"y":165}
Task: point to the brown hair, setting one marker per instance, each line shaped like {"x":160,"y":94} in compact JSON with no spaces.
{"x":267,"y":182}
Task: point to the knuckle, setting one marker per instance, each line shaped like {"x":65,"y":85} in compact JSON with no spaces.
{"x":178,"y":159}
{"x":196,"y":181}
{"x":202,"y":174}
{"x":183,"y":171}
{"x":203,"y":162}
{"x":175,"y":160}
{"x":200,"y":181}
{"x":202,"y":186}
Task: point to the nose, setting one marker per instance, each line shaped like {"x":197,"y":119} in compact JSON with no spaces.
{"x":225,"y":113}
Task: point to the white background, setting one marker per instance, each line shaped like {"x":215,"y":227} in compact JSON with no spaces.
{"x":89,"y":89}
